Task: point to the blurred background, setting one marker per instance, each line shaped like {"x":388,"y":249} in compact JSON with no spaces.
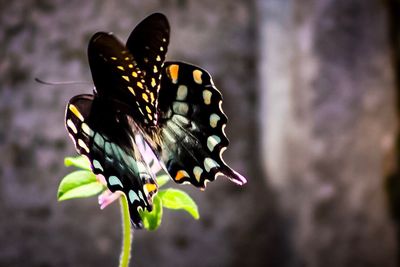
{"x":310,"y":90}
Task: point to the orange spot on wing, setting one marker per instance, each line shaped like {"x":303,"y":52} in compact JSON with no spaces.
{"x":173,"y":72}
{"x":179,"y":175}
{"x":151,"y":187}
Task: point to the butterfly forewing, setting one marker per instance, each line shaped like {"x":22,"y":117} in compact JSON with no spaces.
{"x":117,"y":76}
{"x":107,"y":139}
{"x":192,"y":126}
{"x":148,"y":44}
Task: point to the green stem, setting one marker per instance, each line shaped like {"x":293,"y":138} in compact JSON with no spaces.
{"x":127,"y":233}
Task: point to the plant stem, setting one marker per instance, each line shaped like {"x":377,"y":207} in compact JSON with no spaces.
{"x":126,"y":232}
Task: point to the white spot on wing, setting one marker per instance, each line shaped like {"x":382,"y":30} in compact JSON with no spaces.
{"x":180,"y":119}
{"x":209,"y":163}
{"x":213,"y":141}
{"x":113,"y":180}
{"x":197,"y":171}
{"x":83,"y":145}
{"x":180,"y":108}
{"x":133,"y":196}
{"x":207,"y":97}
{"x":214,"y":118}
{"x":182,"y":92}
{"x":86,"y":129}
{"x":97,"y":165}
{"x":71,"y":125}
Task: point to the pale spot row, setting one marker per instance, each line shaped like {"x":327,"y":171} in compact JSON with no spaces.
{"x":83,"y":145}
{"x":213,"y":141}
{"x":214,"y":118}
{"x":207,"y":97}
{"x":180,"y":119}
{"x":133,"y":196}
{"x":209,"y":163}
{"x":197,"y":76}
{"x":99,"y":140}
{"x":182,"y":92}
{"x":97,"y":165}
{"x":113,"y":180}
{"x":197,"y":171}
{"x":86,"y":129}
{"x":180,"y":108}
{"x":71,"y":125}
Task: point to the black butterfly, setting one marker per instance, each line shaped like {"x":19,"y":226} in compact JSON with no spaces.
{"x":173,"y":106}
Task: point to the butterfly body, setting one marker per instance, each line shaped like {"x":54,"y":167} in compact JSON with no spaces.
{"x":173,"y":106}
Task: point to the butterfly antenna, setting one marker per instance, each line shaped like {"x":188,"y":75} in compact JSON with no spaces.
{"x":59,"y":83}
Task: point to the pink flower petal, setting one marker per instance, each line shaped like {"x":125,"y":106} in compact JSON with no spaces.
{"x":108,"y":197}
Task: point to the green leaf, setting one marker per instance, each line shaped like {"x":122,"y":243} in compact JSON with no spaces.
{"x":80,"y":162}
{"x":152,"y":220}
{"x":177,"y":199}
{"x":162,"y":179}
{"x":79,"y":184}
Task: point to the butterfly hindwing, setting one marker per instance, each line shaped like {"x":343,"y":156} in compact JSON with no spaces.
{"x":108,"y":140}
{"x":192,"y":126}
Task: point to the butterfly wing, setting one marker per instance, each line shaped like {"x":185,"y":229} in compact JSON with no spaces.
{"x":117,"y":75}
{"x":108,"y":140}
{"x":192,"y":125}
{"x":148,"y":44}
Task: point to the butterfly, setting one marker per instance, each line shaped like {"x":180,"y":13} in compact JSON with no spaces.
{"x":173,"y":107}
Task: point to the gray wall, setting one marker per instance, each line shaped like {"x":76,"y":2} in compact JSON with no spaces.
{"x":309,"y":90}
